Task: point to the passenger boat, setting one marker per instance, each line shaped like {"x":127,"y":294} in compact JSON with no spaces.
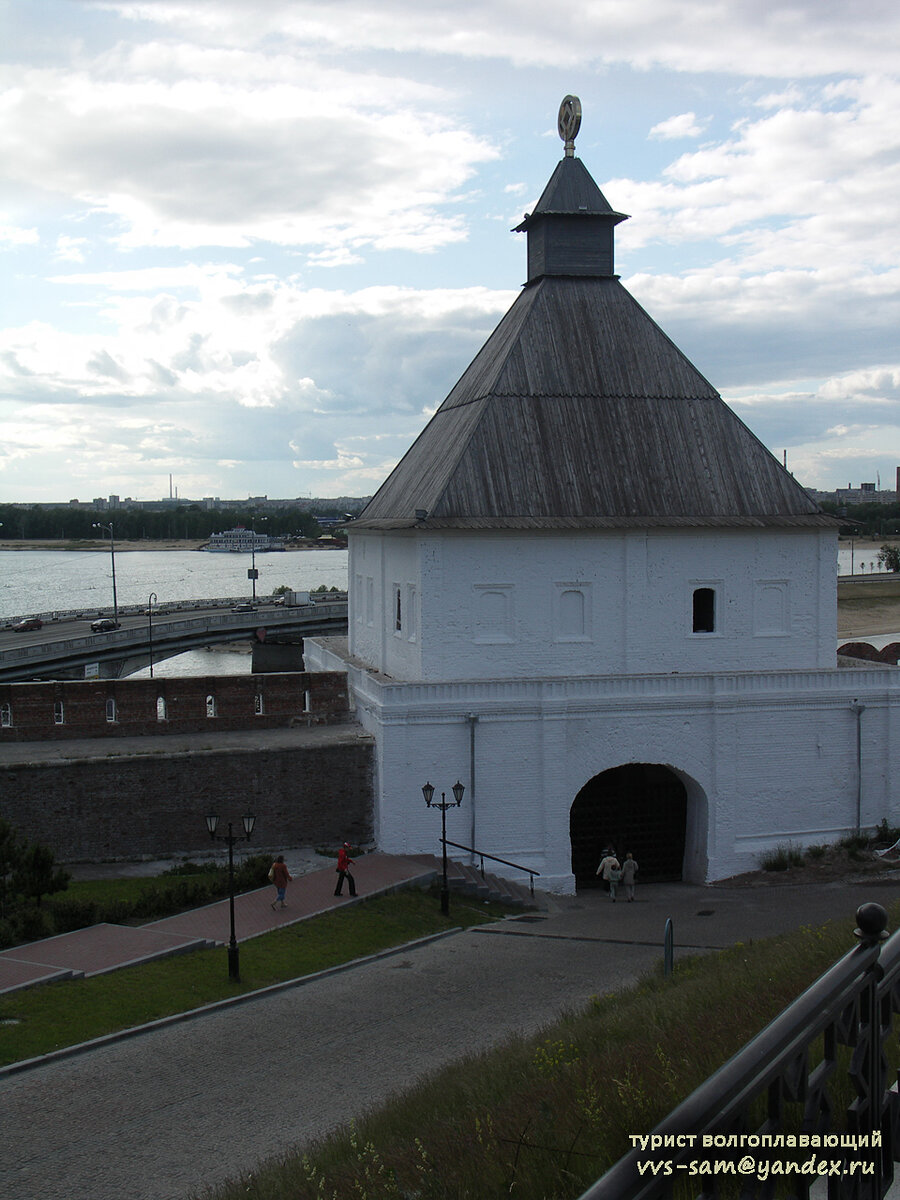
{"x":242,"y":541}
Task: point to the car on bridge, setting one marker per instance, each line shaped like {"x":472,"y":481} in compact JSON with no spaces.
{"x":28,"y":623}
{"x":104,"y":625}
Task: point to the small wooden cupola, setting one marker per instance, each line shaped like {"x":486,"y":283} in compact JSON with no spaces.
{"x":571,"y":231}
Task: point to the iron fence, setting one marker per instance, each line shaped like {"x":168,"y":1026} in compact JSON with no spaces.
{"x":807,"y":1144}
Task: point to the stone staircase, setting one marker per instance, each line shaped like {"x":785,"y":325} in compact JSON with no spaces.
{"x":468,"y":881}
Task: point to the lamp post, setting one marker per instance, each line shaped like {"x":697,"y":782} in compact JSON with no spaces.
{"x":112,"y":557}
{"x":443,"y":804}
{"x":230,"y":838}
{"x":253,"y":574}
{"x":153,"y":600}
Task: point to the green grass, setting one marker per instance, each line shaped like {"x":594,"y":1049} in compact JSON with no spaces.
{"x":542,"y":1118}
{"x":63,"y":1014}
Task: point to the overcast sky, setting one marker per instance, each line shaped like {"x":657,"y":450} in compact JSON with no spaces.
{"x":254,"y":244}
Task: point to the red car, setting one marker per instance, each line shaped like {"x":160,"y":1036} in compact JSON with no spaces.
{"x":28,"y":623}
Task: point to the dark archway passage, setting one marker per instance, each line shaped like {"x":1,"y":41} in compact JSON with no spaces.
{"x":641,"y":807}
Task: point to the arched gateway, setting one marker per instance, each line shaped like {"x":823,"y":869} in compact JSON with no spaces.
{"x":641,"y":807}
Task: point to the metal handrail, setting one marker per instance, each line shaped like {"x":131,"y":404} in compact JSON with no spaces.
{"x":851,"y":1005}
{"x":493,"y":857}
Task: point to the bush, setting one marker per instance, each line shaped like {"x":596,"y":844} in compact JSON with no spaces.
{"x":781,"y":857}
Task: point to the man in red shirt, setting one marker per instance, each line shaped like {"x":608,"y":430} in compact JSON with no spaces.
{"x":345,"y":862}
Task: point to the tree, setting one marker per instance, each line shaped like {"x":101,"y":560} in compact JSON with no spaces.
{"x":35,"y":875}
{"x":10,"y":852}
{"x":889,"y":556}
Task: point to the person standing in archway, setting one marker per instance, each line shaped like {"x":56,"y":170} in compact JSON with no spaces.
{"x":629,"y":870}
{"x":608,"y":864}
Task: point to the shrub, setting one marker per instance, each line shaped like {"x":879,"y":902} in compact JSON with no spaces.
{"x":781,"y":857}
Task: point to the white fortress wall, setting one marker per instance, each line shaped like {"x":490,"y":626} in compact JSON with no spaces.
{"x":766,"y":758}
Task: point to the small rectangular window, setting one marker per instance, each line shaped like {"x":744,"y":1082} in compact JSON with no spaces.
{"x":704,"y":610}
{"x":398,"y":614}
{"x":6,"y":716}
{"x":259,"y":707}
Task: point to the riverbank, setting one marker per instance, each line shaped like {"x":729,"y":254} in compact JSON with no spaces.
{"x":147,"y":544}
{"x":868,"y":605}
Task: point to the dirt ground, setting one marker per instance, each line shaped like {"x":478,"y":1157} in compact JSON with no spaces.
{"x":837,"y":864}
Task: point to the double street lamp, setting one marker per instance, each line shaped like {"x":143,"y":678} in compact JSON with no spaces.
{"x":112,"y":556}
{"x":212,"y":822}
{"x":443,"y":804}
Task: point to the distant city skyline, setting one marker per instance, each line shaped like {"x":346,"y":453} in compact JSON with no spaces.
{"x":251,"y":243}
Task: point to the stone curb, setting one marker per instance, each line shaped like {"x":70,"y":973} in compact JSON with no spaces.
{"x":109,"y":1039}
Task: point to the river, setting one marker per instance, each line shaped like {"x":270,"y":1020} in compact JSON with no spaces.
{"x":39,"y":581}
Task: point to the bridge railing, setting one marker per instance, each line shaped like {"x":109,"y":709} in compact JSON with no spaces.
{"x":770,"y":1105}
{"x":89,"y":612}
{"x":168,"y":630}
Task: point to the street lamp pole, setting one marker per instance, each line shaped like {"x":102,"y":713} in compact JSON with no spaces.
{"x":212,"y":821}
{"x":112,"y":557}
{"x":443,"y":805}
{"x":150,"y":603}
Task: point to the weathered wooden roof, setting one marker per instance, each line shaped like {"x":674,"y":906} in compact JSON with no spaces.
{"x":579,"y":412}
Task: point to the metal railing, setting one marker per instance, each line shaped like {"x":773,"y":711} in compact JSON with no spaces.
{"x":852,"y":1004}
{"x":493,"y":857}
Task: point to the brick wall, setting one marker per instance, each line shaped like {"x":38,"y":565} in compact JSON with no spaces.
{"x":315,"y":792}
{"x":138,"y":707}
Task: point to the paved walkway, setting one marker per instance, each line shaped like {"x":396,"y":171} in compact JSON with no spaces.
{"x":103,"y":948}
{"x":164,"y":1114}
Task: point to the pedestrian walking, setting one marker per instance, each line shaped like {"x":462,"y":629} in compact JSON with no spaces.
{"x":615,"y":874}
{"x":281,"y":877}
{"x":608,"y":863}
{"x":629,"y":870}
{"x":345,"y":862}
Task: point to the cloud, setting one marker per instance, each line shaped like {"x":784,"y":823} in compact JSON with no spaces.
{"x":684,"y":125}
{"x":283,"y":152}
{"x":742,"y":37}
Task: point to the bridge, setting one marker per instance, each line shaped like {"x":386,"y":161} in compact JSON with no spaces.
{"x":65,"y":648}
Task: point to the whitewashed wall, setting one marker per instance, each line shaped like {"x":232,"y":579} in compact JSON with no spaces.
{"x":507,"y":605}
{"x":765,"y":757}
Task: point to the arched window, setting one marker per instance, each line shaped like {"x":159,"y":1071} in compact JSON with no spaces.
{"x":259,"y":706}
{"x":59,"y":712}
{"x":161,"y":712}
{"x":704,"y":610}
{"x":111,"y":710}
{"x":210,"y":705}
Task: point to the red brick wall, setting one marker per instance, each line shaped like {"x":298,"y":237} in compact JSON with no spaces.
{"x":31,"y":706}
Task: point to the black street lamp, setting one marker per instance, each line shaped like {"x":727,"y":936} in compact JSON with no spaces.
{"x":230,"y":838}
{"x":443,"y":805}
{"x":153,"y":600}
{"x":112,"y":557}
{"x":253,"y":574}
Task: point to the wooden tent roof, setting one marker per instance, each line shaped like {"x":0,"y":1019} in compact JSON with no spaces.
{"x":579,"y":412}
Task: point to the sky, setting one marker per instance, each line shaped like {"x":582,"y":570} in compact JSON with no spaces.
{"x":253,"y":245}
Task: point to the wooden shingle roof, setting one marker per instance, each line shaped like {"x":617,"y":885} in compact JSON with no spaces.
{"x":579,"y":412}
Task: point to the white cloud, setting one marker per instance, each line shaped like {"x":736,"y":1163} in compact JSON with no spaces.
{"x":229,"y":160}
{"x":684,"y":125}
